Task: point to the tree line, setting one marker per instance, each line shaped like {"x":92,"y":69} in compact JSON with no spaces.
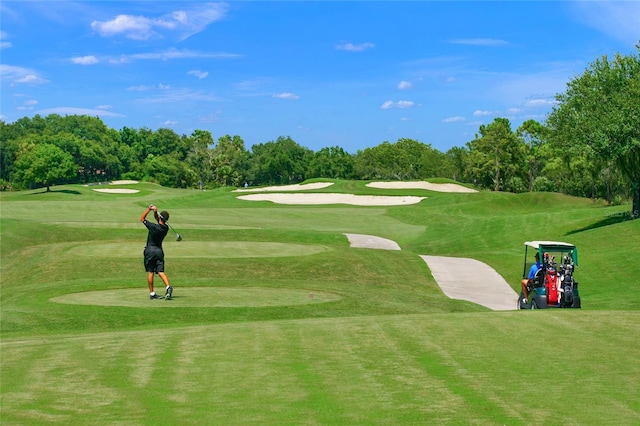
{"x":589,"y":146}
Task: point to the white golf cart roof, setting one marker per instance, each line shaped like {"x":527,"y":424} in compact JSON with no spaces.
{"x":537,"y":244}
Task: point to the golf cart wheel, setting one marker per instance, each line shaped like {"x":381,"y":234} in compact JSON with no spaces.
{"x":534,"y":304}
{"x":520,"y":304}
{"x":576,"y":302}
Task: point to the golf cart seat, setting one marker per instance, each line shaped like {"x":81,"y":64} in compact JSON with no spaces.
{"x":538,"y":279}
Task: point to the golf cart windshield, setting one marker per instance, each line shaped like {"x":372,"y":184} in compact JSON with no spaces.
{"x":558,"y":251}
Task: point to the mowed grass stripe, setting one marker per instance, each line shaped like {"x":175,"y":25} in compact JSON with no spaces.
{"x":207,"y":249}
{"x":200,"y":297}
{"x":392,"y":350}
{"x":368,"y":370}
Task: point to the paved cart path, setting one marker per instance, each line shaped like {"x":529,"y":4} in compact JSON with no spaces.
{"x":372,"y":242}
{"x":472,"y":280}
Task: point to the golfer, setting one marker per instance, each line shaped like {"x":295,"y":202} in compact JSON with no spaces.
{"x":526,"y":283}
{"x":153,"y":253}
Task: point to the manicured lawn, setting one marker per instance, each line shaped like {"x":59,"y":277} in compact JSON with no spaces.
{"x":276,"y":320}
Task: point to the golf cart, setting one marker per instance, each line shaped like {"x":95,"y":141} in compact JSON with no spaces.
{"x":552,"y":284}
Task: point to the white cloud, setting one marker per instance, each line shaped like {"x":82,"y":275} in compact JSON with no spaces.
{"x":403,"y":85}
{"x":28,"y":105}
{"x":4,"y":44}
{"x":31,"y":79}
{"x":105,"y":107}
{"x":145,"y":88}
{"x":78,"y":111}
{"x":133,"y":27}
{"x":198,"y":73}
{"x":286,"y":95}
{"x":178,"y":54}
{"x":479,"y":113}
{"x":183,"y":23}
{"x":85,"y":60}
{"x":178,"y":95}
{"x":540,"y":103}
{"x":481,"y":42}
{"x":18,"y":75}
{"x":619,"y":19}
{"x":455,"y":119}
{"x":170,"y":123}
{"x":399,"y":104}
{"x":355,"y":47}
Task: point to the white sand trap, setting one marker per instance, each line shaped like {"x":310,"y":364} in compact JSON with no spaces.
{"x":124,"y":182}
{"x":331,"y":198}
{"x":117,"y":190}
{"x":439,"y":187}
{"x":472,"y":280}
{"x":297,"y":187}
{"x":371,"y":242}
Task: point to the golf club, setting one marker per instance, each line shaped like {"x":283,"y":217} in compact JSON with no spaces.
{"x":178,"y":236}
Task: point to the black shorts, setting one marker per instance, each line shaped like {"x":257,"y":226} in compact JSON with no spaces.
{"x":153,"y":259}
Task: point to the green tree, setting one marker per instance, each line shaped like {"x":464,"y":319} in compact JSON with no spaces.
{"x":496,"y":156}
{"x":533,"y":135}
{"x":231,"y":160}
{"x":454,"y":163}
{"x":279,"y":162}
{"x":331,"y":162}
{"x":406,"y":159}
{"x":600,"y":111}
{"x":44,"y":164}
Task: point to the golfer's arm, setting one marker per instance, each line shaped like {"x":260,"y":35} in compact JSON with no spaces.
{"x":144,"y":215}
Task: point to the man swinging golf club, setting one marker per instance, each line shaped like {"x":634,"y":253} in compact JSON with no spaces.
{"x":153,"y":253}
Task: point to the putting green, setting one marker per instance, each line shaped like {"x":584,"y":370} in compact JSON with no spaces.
{"x":192,"y":297}
{"x":193,"y":249}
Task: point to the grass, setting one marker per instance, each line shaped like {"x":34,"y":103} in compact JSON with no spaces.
{"x":278,"y":321}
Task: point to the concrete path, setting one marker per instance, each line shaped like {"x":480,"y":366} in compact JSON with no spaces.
{"x":459,"y":278}
{"x":372,"y":242}
{"x":471,"y":280}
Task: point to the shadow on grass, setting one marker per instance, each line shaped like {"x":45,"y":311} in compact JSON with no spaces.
{"x":60,"y":191}
{"x":609,"y":220}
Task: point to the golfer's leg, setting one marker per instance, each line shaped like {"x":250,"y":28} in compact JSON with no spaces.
{"x":164,"y":278}
{"x":150,"y":281}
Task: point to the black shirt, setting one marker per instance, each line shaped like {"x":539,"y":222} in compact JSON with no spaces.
{"x":156,"y":235}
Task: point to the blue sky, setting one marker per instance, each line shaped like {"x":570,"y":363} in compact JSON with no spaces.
{"x":327,"y":73}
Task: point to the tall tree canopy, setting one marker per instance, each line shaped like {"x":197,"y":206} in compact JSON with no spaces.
{"x":600,"y":113}
{"x":496,"y":157}
{"x":44,"y":164}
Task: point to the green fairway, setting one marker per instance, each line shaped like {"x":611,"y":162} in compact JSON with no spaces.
{"x":277,"y":320}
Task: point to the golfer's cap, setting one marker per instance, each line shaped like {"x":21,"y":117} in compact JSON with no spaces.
{"x":164,"y":216}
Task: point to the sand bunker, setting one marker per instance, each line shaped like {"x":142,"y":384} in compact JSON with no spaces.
{"x":297,"y":187}
{"x":117,"y":190}
{"x":439,"y":187}
{"x":331,"y":198}
{"x":124,"y":182}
